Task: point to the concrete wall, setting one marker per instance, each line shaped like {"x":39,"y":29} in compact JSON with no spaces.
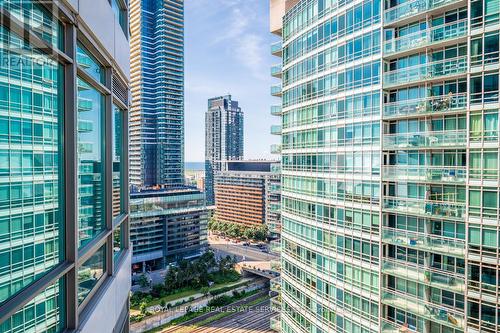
{"x":110,"y":302}
{"x":277,"y":11}
{"x":99,"y":19}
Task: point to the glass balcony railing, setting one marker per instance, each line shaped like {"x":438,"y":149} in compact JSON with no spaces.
{"x":430,"y":276}
{"x":412,"y":8}
{"x":276,"y":129}
{"x":439,"y":209}
{"x":425,"y":242}
{"x":275,"y":247}
{"x":277,"y":48}
{"x":276,"y":110}
{"x":428,"y":71}
{"x":437,"y":313}
{"x":276,"y":303}
{"x":276,"y":149}
{"x":437,"y":139}
{"x":275,"y":208}
{"x":276,"y":323}
{"x":275,"y":188}
{"x":426,"y":37}
{"x":276,"y":168}
{"x":276,"y":70}
{"x":433,"y":104}
{"x":425,"y":173}
{"x":276,"y":90}
{"x":392,"y":327}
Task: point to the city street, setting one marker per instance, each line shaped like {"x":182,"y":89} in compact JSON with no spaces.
{"x":223,"y":248}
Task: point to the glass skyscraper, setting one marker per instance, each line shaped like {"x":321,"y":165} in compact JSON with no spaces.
{"x":223,"y":138}
{"x":168,"y":219}
{"x":390,"y":199}
{"x":63,"y":166}
{"x":157,"y":84}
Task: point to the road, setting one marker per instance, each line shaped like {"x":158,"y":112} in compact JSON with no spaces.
{"x":252,"y":319}
{"x":223,"y":248}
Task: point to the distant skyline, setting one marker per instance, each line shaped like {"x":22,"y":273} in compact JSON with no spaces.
{"x":227,"y":51}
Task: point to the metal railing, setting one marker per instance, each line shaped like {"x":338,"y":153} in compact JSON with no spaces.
{"x":452,"y":138}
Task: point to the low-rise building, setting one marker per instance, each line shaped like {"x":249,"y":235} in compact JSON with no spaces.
{"x":248,"y":193}
{"x":167,"y":225}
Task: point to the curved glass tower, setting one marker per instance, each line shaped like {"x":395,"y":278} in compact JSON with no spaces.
{"x":390,"y":165}
{"x":64,"y":251}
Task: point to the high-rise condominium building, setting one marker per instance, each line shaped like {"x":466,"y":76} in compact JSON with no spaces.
{"x":223,"y":138}
{"x":390,"y":148}
{"x":157,"y":84}
{"x":64,"y":253}
{"x":168,"y":219}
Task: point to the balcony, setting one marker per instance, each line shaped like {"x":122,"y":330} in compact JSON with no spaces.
{"x":429,"y":276}
{"x":276,"y":323}
{"x":276,"y":149}
{"x":276,"y":71}
{"x":423,"y":106}
{"x":275,"y":207}
{"x":425,"y":207}
{"x":276,"y":129}
{"x":425,"y":38}
{"x":276,"y":90}
{"x":425,"y":173}
{"x":434,"y":312}
{"x":392,"y":327}
{"x":275,"y":247}
{"x":276,"y":168}
{"x":277,"y":48}
{"x":424,"y":72}
{"x":275,"y":188}
{"x":276,"y":110}
{"x":425,"y":242}
{"x":276,"y":303}
{"x":419,"y":140}
{"x":413,"y":8}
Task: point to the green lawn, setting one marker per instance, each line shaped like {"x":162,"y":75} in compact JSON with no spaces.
{"x":189,"y":292}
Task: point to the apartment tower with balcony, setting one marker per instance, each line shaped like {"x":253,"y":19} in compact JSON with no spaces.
{"x":390,"y":147}
{"x":168,"y":220}
{"x":157,"y":84}
{"x":223,"y":138}
{"x":64,"y":249}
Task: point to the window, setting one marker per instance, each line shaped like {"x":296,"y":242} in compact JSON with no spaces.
{"x":90,"y":162}
{"x":118,"y":189}
{"x":90,"y":272}
{"x":120,"y":15}
{"x":89,"y":64}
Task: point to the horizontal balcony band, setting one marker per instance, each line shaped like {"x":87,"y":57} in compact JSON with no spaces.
{"x":425,"y":38}
{"x":425,"y":242}
{"x":425,"y":72}
{"x":425,"y":207}
{"x":437,"y":313}
{"x":429,"y":139}
{"x":413,"y":8}
{"x":428,"y":105}
{"x":424,"y":173}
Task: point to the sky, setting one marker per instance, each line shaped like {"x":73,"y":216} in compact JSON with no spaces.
{"x":227,"y":50}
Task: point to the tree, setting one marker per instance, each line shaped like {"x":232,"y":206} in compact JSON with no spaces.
{"x":143,"y":308}
{"x":205,"y":291}
{"x":143,"y":281}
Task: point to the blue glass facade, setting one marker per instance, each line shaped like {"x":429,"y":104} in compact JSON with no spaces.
{"x":157,"y":114}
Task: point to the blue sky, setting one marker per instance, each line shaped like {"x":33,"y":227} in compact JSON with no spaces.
{"x":227,"y":51}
